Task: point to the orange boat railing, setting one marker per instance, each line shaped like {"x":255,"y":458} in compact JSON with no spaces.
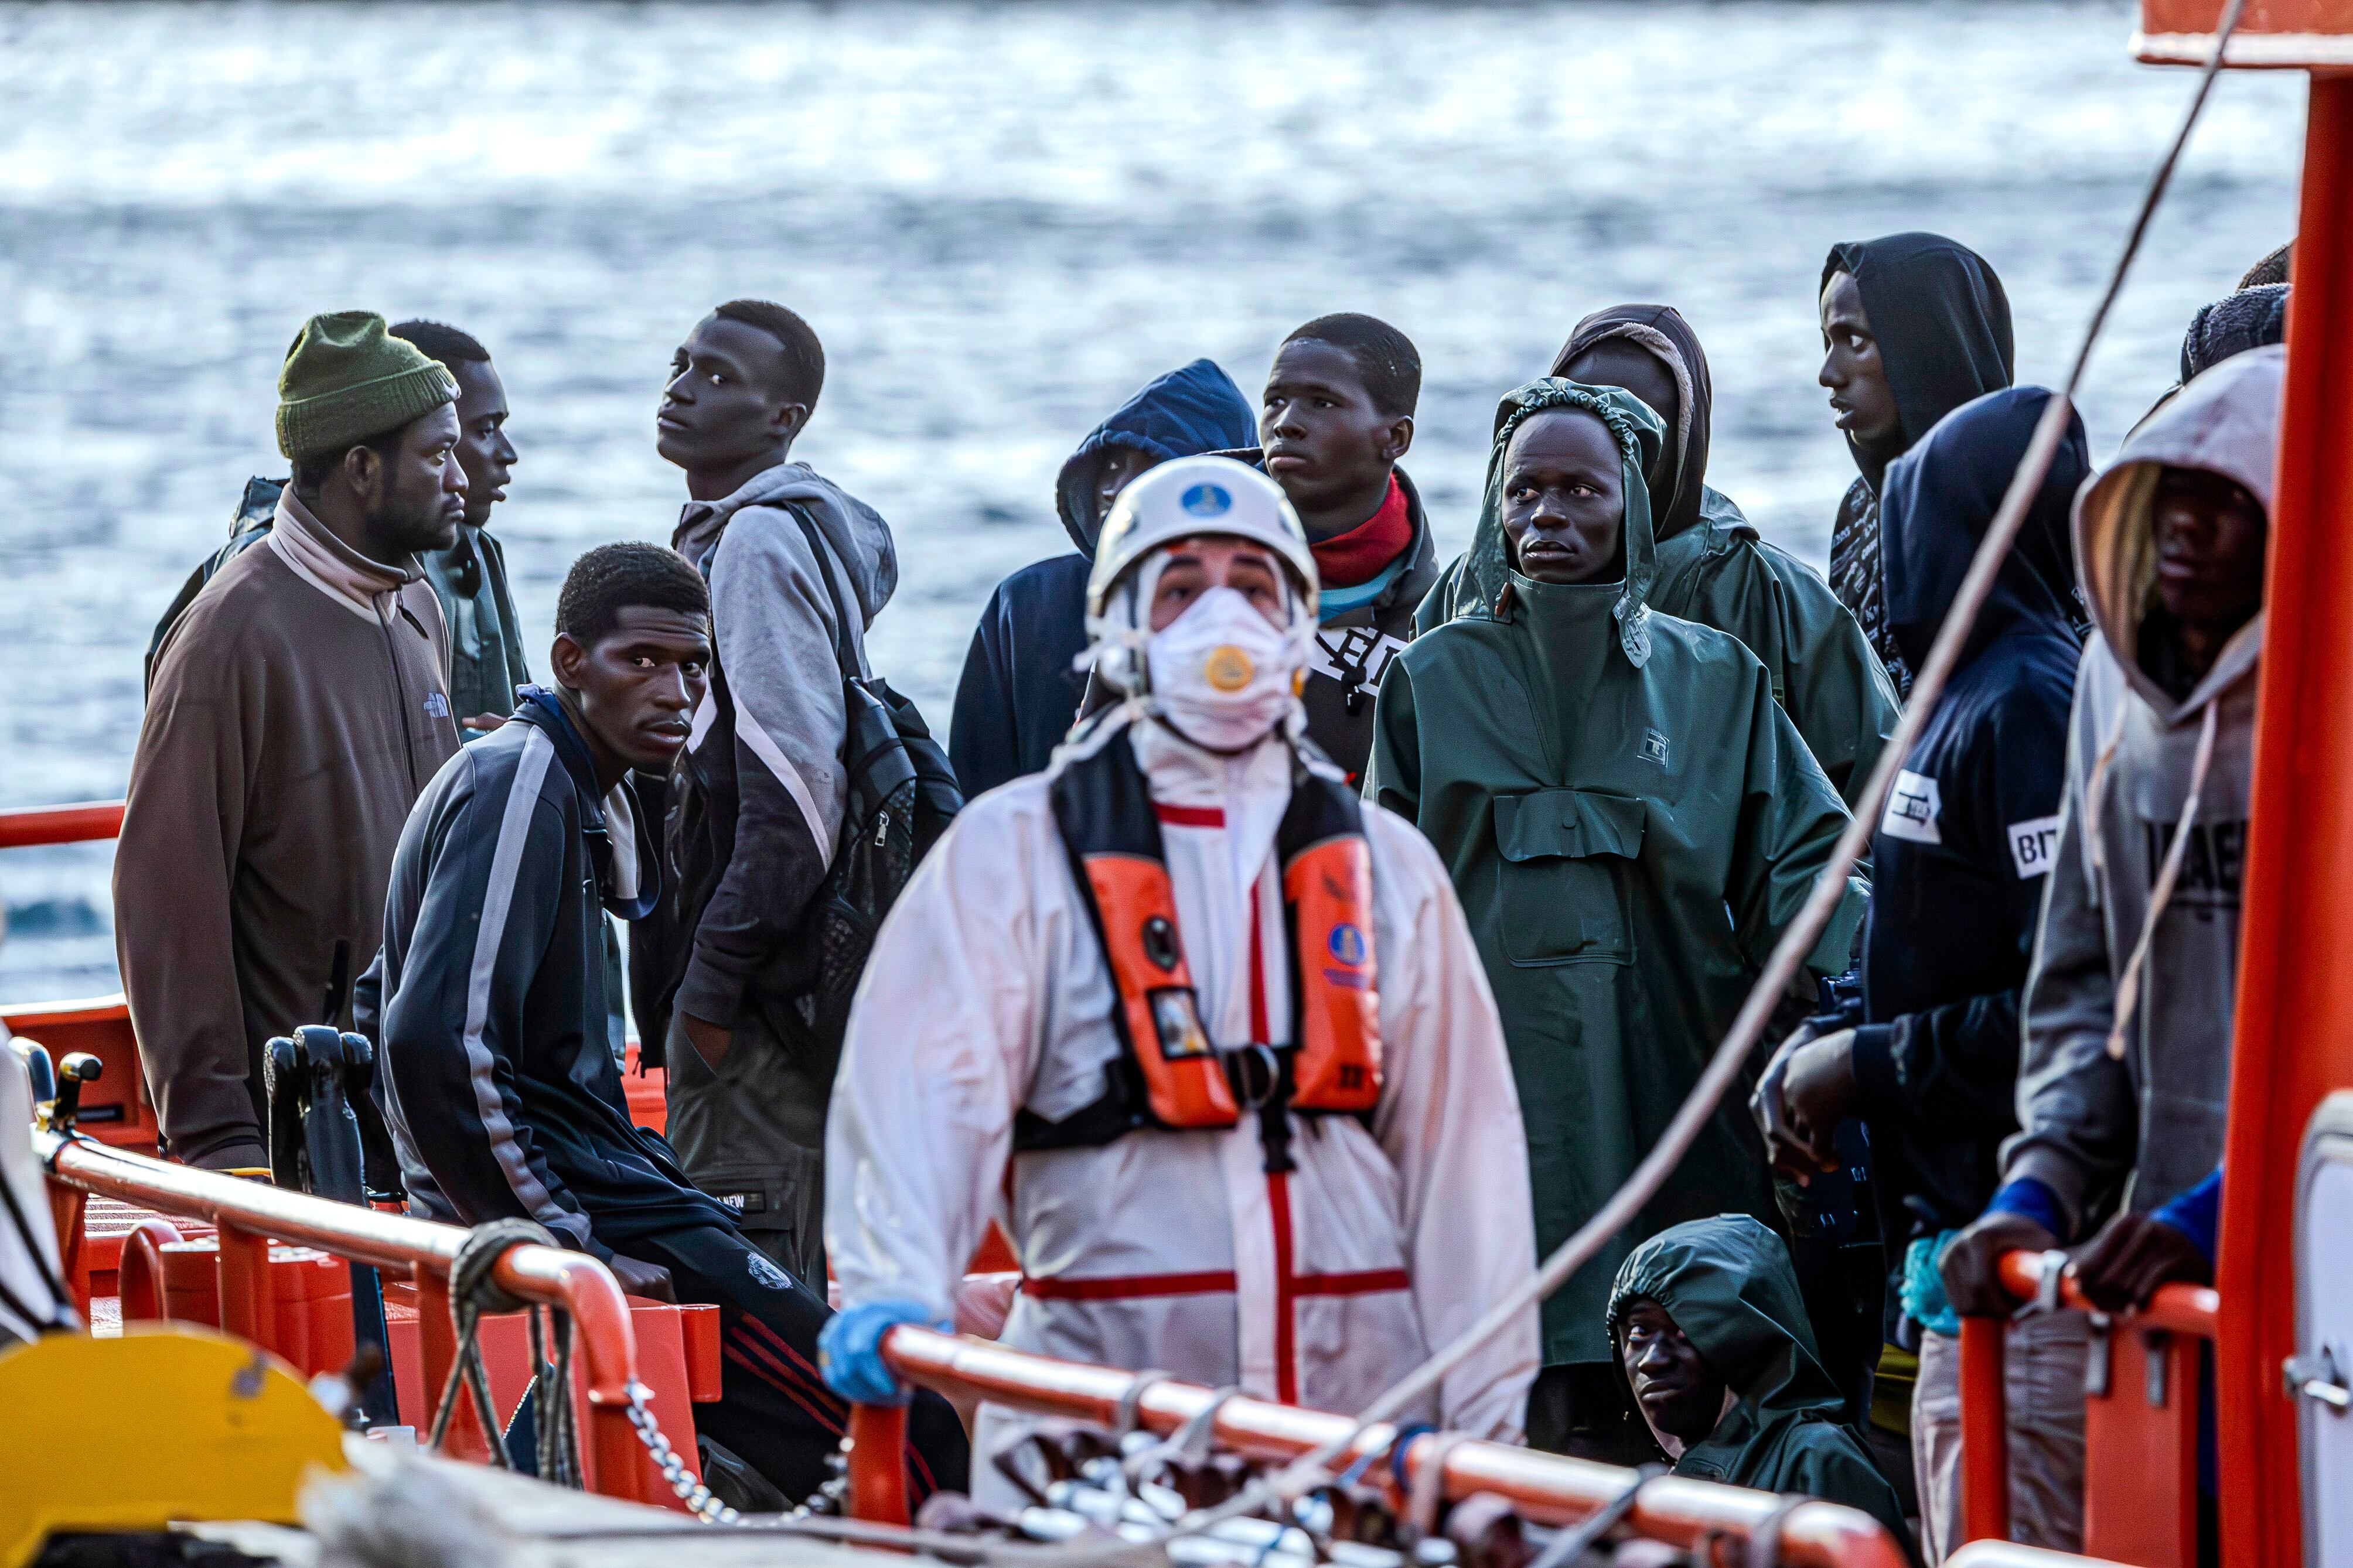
{"x":251,"y":1215}
{"x":2140,"y":1417}
{"x":1543,"y":1488}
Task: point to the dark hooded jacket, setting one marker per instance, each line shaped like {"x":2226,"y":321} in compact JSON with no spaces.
{"x":1715,"y":570}
{"x":1728,"y":1284}
{"x":1630,"y":822}
{"x":1943,"y":325}
{"x":1021,"y":687}
{"x":1965,"y":847}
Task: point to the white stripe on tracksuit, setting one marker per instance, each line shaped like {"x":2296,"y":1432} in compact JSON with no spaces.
{"x":514,"y":832}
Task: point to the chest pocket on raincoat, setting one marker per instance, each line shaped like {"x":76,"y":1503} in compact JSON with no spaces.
{"x":1568,"y":865}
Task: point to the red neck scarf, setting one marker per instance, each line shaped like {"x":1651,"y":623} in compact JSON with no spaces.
{"x":1346,"y":560}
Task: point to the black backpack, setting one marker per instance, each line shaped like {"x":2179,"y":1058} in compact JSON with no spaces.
{"x":257,"y":510}
{"x":901,"y":796}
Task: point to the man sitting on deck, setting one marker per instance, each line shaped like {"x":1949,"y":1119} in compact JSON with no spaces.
{"x":501,"y":1092}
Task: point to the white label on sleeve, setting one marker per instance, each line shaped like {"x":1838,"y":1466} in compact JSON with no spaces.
{"x":2032,"y":846}
{"x":1912,"y":808}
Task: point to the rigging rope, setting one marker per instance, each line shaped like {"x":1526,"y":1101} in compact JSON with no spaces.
{"x":474,"y":1291}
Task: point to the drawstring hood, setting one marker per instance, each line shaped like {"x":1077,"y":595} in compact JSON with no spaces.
{"x":1488,"y":568}
{"x":2226,"y":422}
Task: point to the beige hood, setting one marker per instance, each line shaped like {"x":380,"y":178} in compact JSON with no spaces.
{"x":2226,"y":421}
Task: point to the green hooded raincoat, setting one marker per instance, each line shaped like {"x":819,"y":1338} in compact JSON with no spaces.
{"x":1630,"y":822}
{"x":1728,"y":1284}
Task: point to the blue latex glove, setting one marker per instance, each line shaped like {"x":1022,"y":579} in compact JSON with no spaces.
{"x":850,"y":1350}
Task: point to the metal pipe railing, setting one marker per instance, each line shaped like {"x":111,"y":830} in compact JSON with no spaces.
{"x":251,"y":1215}
{"x":2192,"y":1310}
{"x":1545,"y":1488}
{"x":22,"y":828}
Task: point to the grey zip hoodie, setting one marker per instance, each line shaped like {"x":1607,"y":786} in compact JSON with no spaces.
{"x":2100,"y":1130}
{"x":759,"y":787}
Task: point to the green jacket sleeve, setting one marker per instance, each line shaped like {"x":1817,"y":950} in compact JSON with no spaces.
{"x":1826,"y":1461}
{"x":1790,"y":819}
{"x":1393,"y":775}
{"x":1824,"y":674}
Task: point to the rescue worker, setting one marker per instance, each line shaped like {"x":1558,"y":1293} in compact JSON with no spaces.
{"x":1629,"y":820}
{"x":1204,"y":1030}
{"x":1707,"y":1323}
{"x":1023,"y":679}
{"x":1963,"y":853}
{"x":489,"y":1004}
{"x":1914,"y":325}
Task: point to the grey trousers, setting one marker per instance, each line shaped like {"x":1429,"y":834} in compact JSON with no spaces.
{"x":2044,"y":1369}
{"x":752,"y":1134}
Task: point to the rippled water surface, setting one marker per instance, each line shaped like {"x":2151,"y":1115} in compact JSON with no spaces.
{"x":1000,"y":219}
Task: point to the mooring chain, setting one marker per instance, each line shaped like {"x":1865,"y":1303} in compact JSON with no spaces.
{"x":698,"y":1498}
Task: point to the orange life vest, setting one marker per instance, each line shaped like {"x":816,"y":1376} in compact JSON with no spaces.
{"x":1169,"y":1073}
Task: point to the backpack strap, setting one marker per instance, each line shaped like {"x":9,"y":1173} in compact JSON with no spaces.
{"x":853,"y":667}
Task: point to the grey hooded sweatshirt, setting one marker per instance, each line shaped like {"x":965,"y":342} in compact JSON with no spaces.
{"x":755,"y":815}
{"x":2139,"y":1129}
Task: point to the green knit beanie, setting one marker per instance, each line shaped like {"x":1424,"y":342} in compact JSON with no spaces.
{"x":346,"y":379}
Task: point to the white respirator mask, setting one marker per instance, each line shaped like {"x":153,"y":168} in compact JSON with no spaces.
{"x":1221,"y":675}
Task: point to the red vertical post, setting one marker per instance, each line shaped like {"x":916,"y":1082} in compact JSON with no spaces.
{"x":248,"y":1308}
{"x":878,"y":1463}
{"x":1984,"y":1430}
{"x":2296,"y":975}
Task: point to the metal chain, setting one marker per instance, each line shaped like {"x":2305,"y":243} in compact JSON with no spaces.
{"x":698,"y":1498}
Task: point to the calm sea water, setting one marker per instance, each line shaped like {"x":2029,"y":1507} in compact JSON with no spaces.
{"x":1000,"y":219}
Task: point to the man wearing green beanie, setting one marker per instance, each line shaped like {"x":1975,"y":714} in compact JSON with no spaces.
{"x":298,"y":708}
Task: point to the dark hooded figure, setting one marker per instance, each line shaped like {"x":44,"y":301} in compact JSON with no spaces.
{"x":1914,"y":325}
{"x":1708,"y":1327}
{"x":1020,"y":690}
{"x":1961,"y":861}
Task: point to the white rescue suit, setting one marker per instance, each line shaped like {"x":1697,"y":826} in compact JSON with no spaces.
{"x":987,"y":992}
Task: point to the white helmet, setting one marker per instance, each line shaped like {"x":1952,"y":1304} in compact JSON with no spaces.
{"x":1191,"y":496}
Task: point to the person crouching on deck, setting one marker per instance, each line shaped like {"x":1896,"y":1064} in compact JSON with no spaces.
{"x":499,"y":1084}
{"x":1632,"y":821}
{"x":1202,"y":1028}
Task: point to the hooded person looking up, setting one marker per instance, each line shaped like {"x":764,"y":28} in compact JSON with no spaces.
{"x":300,"y":705}
{"x":1914,"y":325}
{"x":1630,"y":821}
{"x":2125,"y":1075}
{"x":1960,"y":864}
{"x":1022,"y":681}
{"x":1711,"y":1336}
{"x":1203,"y":1030}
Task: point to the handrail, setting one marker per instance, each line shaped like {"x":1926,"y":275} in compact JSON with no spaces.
{"x":2184,"y":1308}
{"x":1545,"y":1488}
{"x":250,"y":1213}
{"x":2191,"y":1310}
{"x":23,"y":826}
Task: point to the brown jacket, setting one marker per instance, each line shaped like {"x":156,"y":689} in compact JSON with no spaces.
{"x":299,"y":708}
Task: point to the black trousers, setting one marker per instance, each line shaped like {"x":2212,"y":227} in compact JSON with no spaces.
{"x":775,"y":1411}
